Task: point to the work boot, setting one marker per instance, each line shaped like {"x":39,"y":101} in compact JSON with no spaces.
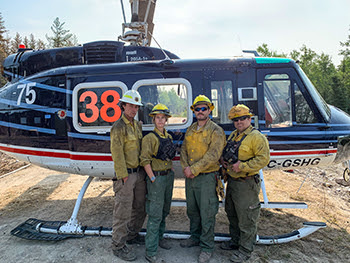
{"x":228,"y":245}
{"x":140,"y":240}
{"x":154,"y":259}
{"x":163,"y":243}
{"x":124,"y":253}
{"x":204,"y":257}
{"x":189,"y":243}
{"x":239,"y":257}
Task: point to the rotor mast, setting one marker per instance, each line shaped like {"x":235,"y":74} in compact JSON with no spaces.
{"x":138,"y":32}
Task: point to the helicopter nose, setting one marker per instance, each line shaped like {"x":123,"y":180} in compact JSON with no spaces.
{"x":343,"y":149}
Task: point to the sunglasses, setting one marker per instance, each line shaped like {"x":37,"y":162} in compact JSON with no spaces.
{"x":240,"y":118}
{"x":201,"y":109}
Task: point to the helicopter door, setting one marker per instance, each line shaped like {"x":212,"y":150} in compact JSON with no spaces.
{"x":219,"y":88}
{"x":292,"y":122}
{"x":286,"y":101}
{"x":277,"y":90}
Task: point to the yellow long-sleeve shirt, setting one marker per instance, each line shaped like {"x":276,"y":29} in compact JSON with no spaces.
{"x":150,"y":146}
{"x":254,"y":152}
{"x":201,"y":149}
{"x":125,"y":145}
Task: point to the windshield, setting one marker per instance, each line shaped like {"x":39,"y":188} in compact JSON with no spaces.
{"x":319,"y":101}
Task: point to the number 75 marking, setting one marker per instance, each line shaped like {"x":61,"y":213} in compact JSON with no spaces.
{"x":29,"y":93}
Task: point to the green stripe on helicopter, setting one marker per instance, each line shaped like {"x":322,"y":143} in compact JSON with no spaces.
{"x":272,"y":60}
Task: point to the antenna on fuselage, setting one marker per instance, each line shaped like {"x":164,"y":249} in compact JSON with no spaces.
{"x":256,"y":54}
{"x":121,"y":2}
{"x":167,"y":60}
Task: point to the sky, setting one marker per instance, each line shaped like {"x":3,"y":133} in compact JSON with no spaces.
{"x":196,"y":28}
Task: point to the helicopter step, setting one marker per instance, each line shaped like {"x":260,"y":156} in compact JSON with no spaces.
{"x":307,"y":229}
{"x":272,"y":205}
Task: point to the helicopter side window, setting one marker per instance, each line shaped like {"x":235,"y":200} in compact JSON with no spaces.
{"x":95,"y":105}
{"x":278,"y":106}
{"x":174,"y":93}
{"x":221,"y":94}
{"x":303,"y":112}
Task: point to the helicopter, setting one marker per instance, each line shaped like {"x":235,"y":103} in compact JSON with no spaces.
{"x":58,"y":107}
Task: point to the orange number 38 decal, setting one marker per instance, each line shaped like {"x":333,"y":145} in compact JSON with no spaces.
{"x":96,"y":112}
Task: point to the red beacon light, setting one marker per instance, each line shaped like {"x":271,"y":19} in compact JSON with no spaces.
{"x":22,"y":48}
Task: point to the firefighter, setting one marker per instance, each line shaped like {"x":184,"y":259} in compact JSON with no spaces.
{"x":251,"y":153}
{"x":157,"y":153}
{"x":200,"y":154}
{"x":129,"y":184}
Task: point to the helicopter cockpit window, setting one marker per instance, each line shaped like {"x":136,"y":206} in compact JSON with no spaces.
{"x":320,"y":102}
{"x":278,"y":106}
{"x":95,"y":105}
{"x":303,"y":112}
{"x":174,"y":93}
{"x":221,"y":94}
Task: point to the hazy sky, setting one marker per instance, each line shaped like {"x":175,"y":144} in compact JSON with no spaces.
{"x":196,"y":28}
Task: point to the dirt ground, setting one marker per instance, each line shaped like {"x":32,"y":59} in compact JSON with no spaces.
{"x":39,"y":193}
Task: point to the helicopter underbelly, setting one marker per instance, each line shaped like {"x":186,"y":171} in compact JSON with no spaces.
{"x":82,"y":163}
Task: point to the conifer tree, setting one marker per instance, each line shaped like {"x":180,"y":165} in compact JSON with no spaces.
{"x":15,"y":42}
{"x":61,"y":37}
{"x":26,"y":42}
{"x":346,"y":47}
{"x":32,"y":42}
{"x":3,"y":47}
{"x":40,"y":44}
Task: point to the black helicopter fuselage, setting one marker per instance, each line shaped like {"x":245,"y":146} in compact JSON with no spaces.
{"x":60,"y":118}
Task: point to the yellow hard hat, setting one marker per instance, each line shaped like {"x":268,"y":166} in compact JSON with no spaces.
{"x":132,"y":97}
{"x":239,"y":110}
{"x":160,"y":109}
{"x":202,"y":99}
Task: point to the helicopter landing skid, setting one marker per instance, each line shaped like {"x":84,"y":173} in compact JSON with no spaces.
{"x":30,"y":230}
{"x":346,"y":173}
{"x":34,"y":229}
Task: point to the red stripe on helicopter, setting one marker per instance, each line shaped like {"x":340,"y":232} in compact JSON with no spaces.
{"x":83,"y":157}
{"x":78,"y":157}
{"x":304,"y":152}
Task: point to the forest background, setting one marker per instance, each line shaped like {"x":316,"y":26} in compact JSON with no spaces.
{"x":331,"y":81}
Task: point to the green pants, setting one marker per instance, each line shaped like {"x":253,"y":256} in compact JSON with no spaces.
{"x":202,"y":207}
{"x":242,"y":207}
{"x":158,"y":202}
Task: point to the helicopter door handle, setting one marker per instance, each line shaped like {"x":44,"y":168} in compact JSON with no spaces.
{"x":323,"y":128}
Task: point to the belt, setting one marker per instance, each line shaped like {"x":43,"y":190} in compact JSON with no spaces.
{"x":244,"y":178}
{"x":133,"y":170}
{"x":158,"y":173}
{"x":209,"y":172}
{"x":130,"y":171}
